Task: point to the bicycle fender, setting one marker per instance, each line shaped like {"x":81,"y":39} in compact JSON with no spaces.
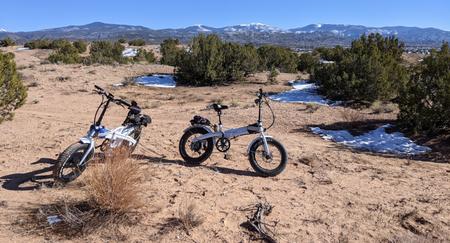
{"x":201,"y":126}
{"x":85,"y":140}
{"x":207,"y":128}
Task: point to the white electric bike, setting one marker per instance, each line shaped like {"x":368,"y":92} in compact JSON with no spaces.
{"x":73,"y":161}
{"x":267,"y":156}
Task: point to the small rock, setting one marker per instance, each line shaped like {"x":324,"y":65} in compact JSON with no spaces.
{"x":3,"y":204}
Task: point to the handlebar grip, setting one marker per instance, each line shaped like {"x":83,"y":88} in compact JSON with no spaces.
{"x":98,"y":87}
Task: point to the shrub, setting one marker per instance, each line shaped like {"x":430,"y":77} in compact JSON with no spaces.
{"x":12,"y":91}
{"x":202,"y":64}
{"x":370,"y":70}
{"x":105,"y":52}
{"x":272,"y":76}
{"x":80,"y":45}
{"x":58,"y":44}
{"x":279,"y":57}
{"x":7,"y":42}
{"x":307,"y":62}
{"x":239,"y":60}
{"x":38,"y":44}
{"x":424,"y":102}
{"x":66,"y":53}
{"x":170,"y":52}
{"x":137,"y":42}
{"x":330,"y":54}
{"x":122,"y":41}
{"x":143,"y":55}
{"x":210,"y":61}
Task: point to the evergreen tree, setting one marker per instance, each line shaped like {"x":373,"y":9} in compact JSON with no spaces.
{"x":12,"y":91}
{"x":424,"y":102}
{"x":279,"y":57}
{"x":370,"y":70}
{"x":7,"y":42}
{"x":170,"y":52}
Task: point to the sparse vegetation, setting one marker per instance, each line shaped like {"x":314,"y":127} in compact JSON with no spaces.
{"x":143,"y":55}
{"x":382,"y":107}
{"x":105,"y":52}
{"x":38,"y":44}
{"x":65,"y":53}
{"x":189,"y":217}
{"x":80,"y":45}
{"x":351,"y":115}
{"x":136,"y":42}
{"x":7,"y":42}
{"x":424,"y":102}
{"x":12,"y":91}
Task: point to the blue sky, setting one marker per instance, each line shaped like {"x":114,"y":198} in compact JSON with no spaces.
{"x":26,"y":15}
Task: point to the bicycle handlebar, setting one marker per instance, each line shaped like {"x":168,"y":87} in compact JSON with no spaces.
{"x":110,"y":96}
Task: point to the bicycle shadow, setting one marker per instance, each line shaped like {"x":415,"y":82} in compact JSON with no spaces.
{"x":16,"y":181}
{"x":217,"y":169}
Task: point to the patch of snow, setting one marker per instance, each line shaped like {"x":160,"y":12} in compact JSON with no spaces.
{"x":318,"y":25}
{"x":157,"y":80}
{"x":322,"y":61}
{"x":202,"y":29}
{"x":129,"y":52}
{"x":23,"y":49}
{"x":3,"y":30}
{"x":375,"y":141}
{"x":302,"y":92}
{"x":255,"y":27}
{"x":68,"y":29}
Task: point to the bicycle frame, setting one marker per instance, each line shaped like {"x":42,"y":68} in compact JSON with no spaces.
{"x":237,"y":132}
{"x":116,"y":136}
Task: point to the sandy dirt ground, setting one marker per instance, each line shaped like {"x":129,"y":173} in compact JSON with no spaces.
{"x":327,"y":193}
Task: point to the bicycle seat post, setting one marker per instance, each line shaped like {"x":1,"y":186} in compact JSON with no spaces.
{"x":219,"y":113}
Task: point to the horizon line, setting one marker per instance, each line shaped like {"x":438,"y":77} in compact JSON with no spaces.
{"x":255,"y":22}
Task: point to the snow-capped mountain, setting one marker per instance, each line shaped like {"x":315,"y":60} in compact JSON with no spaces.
{"x":257,"y":33}
{"x":253,"y":27}
{"x":3,"y":30}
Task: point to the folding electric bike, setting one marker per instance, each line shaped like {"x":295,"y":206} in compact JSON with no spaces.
{"x":267,"y":156}
{"x":73,"y":161}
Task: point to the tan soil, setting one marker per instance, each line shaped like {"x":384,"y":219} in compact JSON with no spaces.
{"x":326,"y":194}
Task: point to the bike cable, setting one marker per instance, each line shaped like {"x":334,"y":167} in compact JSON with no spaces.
{"x":96,"y":112}
{"x":273,"y":114}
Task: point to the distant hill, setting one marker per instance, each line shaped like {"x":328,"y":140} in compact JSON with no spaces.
{"x":308,"y":36}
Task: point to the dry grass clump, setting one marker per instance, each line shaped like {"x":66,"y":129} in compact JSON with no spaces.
{"x":311,"y":107}
{"x":189,"y":217}
{"x":379,"y":107}
{"x":351,"y":115}
{"x":115,"y":185}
